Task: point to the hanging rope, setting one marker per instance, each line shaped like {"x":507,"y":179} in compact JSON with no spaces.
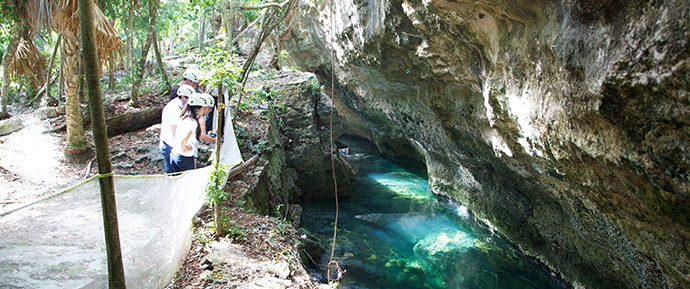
{"x":333,"y":266}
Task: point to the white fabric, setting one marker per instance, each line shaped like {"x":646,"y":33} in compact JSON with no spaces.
{"x":229,"y":151}
{"x":170,"y":117}
{"x":59,"y":242}
{"x":187,"y":126}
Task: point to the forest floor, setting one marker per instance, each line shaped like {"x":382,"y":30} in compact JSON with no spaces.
{"x":268,"y":247}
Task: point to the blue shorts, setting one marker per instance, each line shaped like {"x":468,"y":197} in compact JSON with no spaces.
{"x":181,"y":163}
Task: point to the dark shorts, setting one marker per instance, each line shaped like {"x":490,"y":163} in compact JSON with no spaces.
{"x":181,"y":163}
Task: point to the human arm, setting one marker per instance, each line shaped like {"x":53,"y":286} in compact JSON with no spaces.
{"x":203,"y":136}
{"x":185,"y":146}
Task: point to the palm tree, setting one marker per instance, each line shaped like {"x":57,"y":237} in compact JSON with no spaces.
{"x":64,"y":15}
{"x":16,"y":11}
{"x":66,"y":18}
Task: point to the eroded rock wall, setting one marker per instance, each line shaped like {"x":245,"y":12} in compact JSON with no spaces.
{"x":563,"y":125}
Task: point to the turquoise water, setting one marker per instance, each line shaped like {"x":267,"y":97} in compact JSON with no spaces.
{"x":393,"y":233}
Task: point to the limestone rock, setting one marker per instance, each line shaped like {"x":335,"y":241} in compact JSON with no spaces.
{"x":11,"y":125}
{"x":46,"y":113}
{"x":306,"y":133}
{"x":562,"y":125}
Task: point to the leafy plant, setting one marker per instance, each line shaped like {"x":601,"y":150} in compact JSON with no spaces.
{"x":314,"y":85}
{"x":232,"y":228}
{"x":216,"y":194}
{"x":221,"y":67}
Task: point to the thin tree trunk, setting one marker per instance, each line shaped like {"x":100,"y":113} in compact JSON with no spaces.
{"x":287,"y":24}
{"x":130,"y":57}
{"x":50,"y":67}
{"x":202,"y":30}
{"x":271,"y":20}
{"x":160,"y":60}
{"x":144,"y":54}
{"x":116,"y":272}
{"x":111,"y":74}
{"x":229,"y":28}
{"x":61,"y":82}
{"x":76,"y":142}
{"x":43,"y":90}
{"x":7,"y":60}
{"x":130,"y":39}
{"x":171,"y":40}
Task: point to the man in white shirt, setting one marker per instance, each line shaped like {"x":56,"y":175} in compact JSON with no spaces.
{"x":169,"y":120}
{"x":191,"y":78}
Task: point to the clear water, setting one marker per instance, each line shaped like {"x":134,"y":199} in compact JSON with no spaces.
{"x":393,"y":233}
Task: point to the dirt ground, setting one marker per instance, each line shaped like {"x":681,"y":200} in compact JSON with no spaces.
{"x":32,"y":166}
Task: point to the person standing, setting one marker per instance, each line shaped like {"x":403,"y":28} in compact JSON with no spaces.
{"x":186,"y":145}
{"x":191,"y":78}
{"x":169,"y":121}
{"x":206,"y":123}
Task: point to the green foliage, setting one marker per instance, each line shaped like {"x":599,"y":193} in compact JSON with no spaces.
{"x":214,"y":187}
{"x":220,"y":67}
{"x":232,"y":228}
{"x":245,"y":142}
{"x":9,"y":16}
{"x":284,"y":57}
{"x":314,"y":84}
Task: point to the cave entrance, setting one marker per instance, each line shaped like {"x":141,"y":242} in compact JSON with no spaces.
{"x":394,"y":233}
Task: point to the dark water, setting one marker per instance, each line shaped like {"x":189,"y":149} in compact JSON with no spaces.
{"x":393,"y":233}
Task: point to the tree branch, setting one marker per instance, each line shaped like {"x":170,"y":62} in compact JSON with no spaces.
{"x":276,"y":5}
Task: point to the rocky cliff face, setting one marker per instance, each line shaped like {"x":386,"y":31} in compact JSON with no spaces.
{"x":563,"y":125}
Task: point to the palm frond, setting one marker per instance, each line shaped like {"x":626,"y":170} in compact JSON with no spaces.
{"x":66,"y":18}
{"x":109,"y":42}
{"x":39,"y":14}
{"x":29,"y":61}
{"x":66,"y":15}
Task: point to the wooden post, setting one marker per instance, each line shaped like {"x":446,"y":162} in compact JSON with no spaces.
{"x":219,"y":116}
{"x":116,"y":272}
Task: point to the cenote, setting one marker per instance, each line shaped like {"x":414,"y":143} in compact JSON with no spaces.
{"x":393,"y":233}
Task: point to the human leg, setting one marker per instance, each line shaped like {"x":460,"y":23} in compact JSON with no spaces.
{"x":165,"y":151}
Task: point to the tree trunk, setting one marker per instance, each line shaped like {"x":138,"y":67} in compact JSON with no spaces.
{"x":43,"y":90}
{"x":136,"y":81}
{"x":287,"y":24}
{"x":229,"y":27}
{"x":202,"y":30}
{"x":130,"y":57}
{"x":61,"y":80}
{"x":159,"y":59}
{"x":111,"y":74}
{"x":130,"y":39}
{"x":171,"y":39}
{"x":133,"y":121}
{"x":116,"y":272}
{"x":50,"y":67}
{"x":271,"y":19}
{"x":7,"y":60}
{"x":76,"y":142}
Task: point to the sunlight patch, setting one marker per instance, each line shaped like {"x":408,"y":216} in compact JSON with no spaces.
{"x":404,"y":184}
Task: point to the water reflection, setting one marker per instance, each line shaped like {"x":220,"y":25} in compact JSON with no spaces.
{"x":393,"y":233}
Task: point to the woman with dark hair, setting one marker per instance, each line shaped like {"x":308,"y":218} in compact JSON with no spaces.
{"x":184,"y":151}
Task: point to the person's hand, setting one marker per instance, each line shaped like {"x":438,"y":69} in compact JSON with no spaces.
{"x":186,"y":148}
